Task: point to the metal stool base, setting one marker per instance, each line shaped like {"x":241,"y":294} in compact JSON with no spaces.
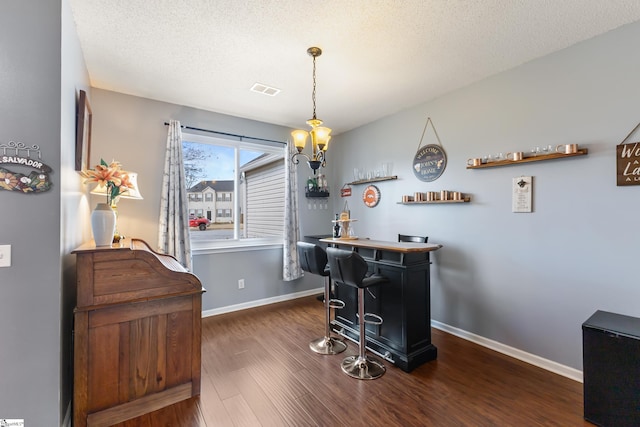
{"x":327,"y":345}
{"x":362,"y":368}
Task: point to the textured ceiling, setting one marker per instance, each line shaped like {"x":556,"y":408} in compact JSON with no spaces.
{"x":379,"y":56}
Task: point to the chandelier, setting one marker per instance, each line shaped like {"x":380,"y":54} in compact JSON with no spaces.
{"x":320,"y":135}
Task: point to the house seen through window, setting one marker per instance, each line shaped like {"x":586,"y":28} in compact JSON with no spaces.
{"x":235,"y":188}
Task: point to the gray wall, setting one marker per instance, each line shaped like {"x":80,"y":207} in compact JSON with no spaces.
{"x":131,"y":130}
{"x":38,"y":107}
{"x":526,"y":280}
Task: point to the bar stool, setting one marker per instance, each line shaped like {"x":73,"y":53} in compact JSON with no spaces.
{"x":313,"y":259}
{"x":350,"y":269}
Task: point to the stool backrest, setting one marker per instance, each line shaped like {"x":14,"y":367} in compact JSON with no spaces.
{"x":416,"y":239}
{"x":313,"y":258}
{"x":347,"y":267}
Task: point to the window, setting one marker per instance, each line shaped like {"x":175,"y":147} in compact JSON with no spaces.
{"x":248,"y":182}
{"x":223,"y":197}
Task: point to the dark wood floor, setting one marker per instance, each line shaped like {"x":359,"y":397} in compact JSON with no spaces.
{"x":257,"y":370}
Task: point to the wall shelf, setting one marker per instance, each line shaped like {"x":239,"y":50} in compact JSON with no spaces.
{"x":367,"y":181}
{"x":540,"y":158}
{"x":316,"y":194}
{"x":437,"y":202}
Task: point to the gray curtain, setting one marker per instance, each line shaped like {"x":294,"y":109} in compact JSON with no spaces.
{"x":291,"y":265}
{"x":173,"y":232}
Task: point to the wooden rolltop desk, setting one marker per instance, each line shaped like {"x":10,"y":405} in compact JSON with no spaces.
{"x":137,"y":332}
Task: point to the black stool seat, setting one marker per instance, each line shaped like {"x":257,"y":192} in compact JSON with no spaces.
{"x":313,"y":259}
{"x":350,"y":269}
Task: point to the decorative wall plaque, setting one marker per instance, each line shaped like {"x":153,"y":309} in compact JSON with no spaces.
{"x":431,"y":160}
{"x":19,"y":155}
{"x":628,"y":162}
{"x":371,"y":196}
{"x":522,"y":189}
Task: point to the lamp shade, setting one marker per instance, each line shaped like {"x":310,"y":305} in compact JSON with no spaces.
{"x":131,"y":193}
{"x":320,"y":136}
{"x":299,"y":138}
{"x":326,"y":146}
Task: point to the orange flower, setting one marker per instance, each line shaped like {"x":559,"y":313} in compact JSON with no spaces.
{"x":125,"y":183}
{"x":110,"y":176}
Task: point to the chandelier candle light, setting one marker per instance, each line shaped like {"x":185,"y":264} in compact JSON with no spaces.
{"x":320,"y":135}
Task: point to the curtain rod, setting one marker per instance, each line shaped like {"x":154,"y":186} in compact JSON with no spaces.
{"x":228,"y":134}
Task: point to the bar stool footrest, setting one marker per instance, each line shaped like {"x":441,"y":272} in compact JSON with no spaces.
{"x":336,"y":303}
{"x":371,"y":319}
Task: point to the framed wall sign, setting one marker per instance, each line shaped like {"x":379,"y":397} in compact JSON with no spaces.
{"x":83,"y":132}
{"x":522,"y":188}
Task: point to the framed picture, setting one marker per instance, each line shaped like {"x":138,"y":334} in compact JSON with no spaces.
{"x":83,"y":132}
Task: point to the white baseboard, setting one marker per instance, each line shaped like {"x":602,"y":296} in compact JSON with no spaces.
{"x":261,"y":302}
{"x":532,"y":359}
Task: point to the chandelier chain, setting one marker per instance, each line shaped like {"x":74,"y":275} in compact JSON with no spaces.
{"x":313,"y":95}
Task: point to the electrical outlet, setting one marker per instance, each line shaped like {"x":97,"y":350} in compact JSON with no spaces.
{"x":241,"y":284}
{"x":5,"y":255}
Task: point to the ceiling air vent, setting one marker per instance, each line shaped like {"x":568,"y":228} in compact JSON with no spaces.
{"x":264,"y":89}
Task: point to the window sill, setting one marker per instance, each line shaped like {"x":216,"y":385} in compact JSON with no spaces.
{"x":213,"y":247}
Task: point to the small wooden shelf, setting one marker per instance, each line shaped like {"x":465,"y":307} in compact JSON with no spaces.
{"x":540,"y":158}
{"x":367,"y":181}
{"x":437,"y":202}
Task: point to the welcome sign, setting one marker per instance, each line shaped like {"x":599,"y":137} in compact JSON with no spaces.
{"x":429,"y":162}
{"x":628,"y":164}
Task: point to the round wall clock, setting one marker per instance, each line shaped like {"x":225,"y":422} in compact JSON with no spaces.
{"x":371,"y":196}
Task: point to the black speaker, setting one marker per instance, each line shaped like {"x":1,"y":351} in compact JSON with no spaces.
{"x":611,"y":369}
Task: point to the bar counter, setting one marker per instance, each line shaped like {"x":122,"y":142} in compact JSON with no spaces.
{"x":404,"y":303}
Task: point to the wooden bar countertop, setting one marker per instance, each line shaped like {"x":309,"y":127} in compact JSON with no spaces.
{"x":402,"y":247}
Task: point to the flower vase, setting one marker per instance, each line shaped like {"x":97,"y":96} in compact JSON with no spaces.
{"x":103,"y":224}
